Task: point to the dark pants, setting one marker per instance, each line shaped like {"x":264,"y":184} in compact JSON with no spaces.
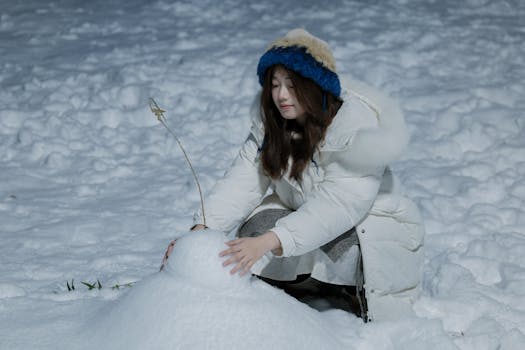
{"x":266,"y":219}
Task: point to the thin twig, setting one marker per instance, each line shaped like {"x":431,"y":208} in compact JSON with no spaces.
{"x":159,"y":113}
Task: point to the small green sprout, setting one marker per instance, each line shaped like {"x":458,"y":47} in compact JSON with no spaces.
{"x":71,"y":286}
{"x":95,"y":285}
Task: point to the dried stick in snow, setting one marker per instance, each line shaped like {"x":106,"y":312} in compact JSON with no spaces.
{"x":159,"y":113}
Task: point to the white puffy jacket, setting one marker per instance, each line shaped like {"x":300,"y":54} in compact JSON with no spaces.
{"x":347,"y":184}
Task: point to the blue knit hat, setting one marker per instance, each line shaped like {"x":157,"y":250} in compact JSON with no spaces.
{"x":306,"y":55}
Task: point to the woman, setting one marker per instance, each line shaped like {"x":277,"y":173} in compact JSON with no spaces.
{"x":324,"y":152}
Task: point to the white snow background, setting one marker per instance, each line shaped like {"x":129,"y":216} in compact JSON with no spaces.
{"x":92,"y":187}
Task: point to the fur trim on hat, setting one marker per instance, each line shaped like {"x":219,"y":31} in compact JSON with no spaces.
{"x":306,"y":55}
{"x":316,"y":47}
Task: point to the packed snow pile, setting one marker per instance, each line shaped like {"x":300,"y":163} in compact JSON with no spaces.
{"x":196,"y":260}
{"x":195,"y":303}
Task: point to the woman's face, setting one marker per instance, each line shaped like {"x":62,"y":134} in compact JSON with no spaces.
{"x":283,"y":96}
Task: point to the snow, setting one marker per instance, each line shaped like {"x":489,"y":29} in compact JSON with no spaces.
{"x":177,"y":309}
{"x":92,"y":187}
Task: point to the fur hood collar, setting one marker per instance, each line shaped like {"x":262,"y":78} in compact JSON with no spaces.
{"x":369,"y":127}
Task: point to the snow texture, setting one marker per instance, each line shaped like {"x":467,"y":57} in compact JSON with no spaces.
{"x":92,"y":187}
{"x":197,"y":304}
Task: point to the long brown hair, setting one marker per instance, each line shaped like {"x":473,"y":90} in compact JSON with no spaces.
{"x":279,"y":144}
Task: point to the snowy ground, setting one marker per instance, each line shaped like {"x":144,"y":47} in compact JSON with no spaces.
{"x":92,"y":187}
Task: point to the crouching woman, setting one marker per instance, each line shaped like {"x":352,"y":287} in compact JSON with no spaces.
{"x":311,"y":191}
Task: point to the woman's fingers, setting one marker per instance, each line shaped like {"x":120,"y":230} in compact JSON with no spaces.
{"x":234,"y":258}
{"x":167,"y":254}
{"x":241,"y":253}
{"x":234,"y":247}
{"x":164,"y":260}
{"x":230,"y":251}
{"x":241,"y":265}
{"x":226,"y":252}
{"x":169,"y":250}
{"x":247,"y":268}
{"x":235,"y":242}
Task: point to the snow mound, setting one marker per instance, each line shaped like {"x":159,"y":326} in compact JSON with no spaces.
{"x":196,"y":304}
{"x":195,"y":258}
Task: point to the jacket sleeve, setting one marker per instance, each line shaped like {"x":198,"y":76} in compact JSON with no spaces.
{"x":241,"y":189}
{"x":339,"y":202}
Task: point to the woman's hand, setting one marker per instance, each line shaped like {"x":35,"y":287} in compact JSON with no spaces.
{"x":172,"y":244}
{"x":244,"y":252}
{"x":167,"y":254}
{"x":198,"y":227}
